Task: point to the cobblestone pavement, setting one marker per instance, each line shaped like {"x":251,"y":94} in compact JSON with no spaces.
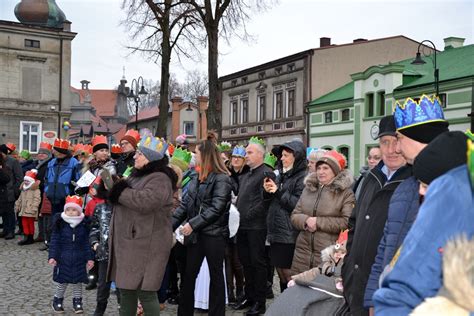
{"x":26,"y":286}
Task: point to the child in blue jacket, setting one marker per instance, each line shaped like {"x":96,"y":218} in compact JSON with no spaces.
{"x":70,"y":253}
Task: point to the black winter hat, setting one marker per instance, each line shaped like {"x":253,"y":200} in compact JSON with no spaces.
{"x":425,"y":133}
{"x":445,"y":152}
{"x":4,"y":149}
{"x":387,"y":126}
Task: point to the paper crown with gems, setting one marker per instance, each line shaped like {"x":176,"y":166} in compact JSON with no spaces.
{"x":153,"y":148}
{"x":61,"y":144}
{"x":270,"y":160}
{"x":224,"y":147}
{"x":74,"y":201}
{"x":11,"y":147}
{"x":239,"y":151}
{"x":412,"y":113}
{"x":256,"y":140}
{"x":342,"y":239}
{"x":45,"y":145}
{"x":181,"y":158}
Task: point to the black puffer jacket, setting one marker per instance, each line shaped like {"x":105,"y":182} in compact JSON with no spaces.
{"x":206,"y":207}
{"x":281,"y":203}
{"x":126,"y":160}
{"x":100,"y":230}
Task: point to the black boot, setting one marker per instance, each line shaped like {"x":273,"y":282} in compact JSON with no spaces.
{"x":27,"y":240}
{"x":100,"y":309}
{"x":57,"y":305}
{"x":257,"y":309}
{"x":282,"y":287}
{"x":77,"y":305}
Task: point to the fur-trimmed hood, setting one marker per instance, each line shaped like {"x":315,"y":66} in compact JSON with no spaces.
{"x":343,"y":180}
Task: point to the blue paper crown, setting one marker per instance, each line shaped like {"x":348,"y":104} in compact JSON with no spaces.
{"x":239,"y":151}
{"x":412,"y":113}
{"x":309,"y":150}
{"x":154,"y":143}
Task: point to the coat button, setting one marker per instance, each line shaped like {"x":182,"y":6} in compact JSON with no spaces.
{"x":356,"y":266}
{"x":367,"y":217}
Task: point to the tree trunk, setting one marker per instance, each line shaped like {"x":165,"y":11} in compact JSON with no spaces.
{"x":214,"y":110}
{"x":165,"y":80}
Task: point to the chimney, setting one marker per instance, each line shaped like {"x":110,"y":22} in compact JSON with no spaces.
{"x":359,"y":40}
{"x":324,"y":41}
{"x":453,"y":42}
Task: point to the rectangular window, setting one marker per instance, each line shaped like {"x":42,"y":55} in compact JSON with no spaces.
{"x":328,"y":117}
{"x":261,"y":108}
{"x":291,"y":103}
{"x":291,"y":67}
{"x":381,"y":103}
{"x":278,"y":105}
{"x":30,"y":136}
{"x":369,"y":103}
{"x":442,"y":98}
{"x":244,"y":111}
{"x":345,"y":115}
{"x":233,"y":112}
{"x":32,"y":43}
{"x":188,"y":128}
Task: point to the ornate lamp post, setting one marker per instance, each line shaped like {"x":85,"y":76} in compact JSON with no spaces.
{"x":137,"y":85}
{"x":419,"y":61}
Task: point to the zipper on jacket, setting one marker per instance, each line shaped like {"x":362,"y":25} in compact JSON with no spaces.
{"x":311,"y":259}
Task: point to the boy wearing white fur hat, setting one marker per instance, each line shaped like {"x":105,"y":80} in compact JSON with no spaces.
{"x":27,"y":206}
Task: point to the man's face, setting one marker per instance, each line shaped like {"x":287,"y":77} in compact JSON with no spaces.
{"x":408,"y":147}
{"x":253,"y":155}
{"x":59,"y":155}
{"x":126,"y":146}
{"x":391,"y":158}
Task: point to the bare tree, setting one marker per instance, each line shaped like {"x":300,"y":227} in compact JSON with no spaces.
{"x":175,"y":88}
{"x":221,"y":19}
{"x":196,"y":85}
{"x":158,"y":28}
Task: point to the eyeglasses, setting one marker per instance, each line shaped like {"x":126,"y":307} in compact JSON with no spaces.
{"x":374,"y":157}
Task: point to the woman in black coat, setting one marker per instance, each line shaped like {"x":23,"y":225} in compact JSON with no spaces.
{"x":206,"y":210}
{"x":281,"y":196}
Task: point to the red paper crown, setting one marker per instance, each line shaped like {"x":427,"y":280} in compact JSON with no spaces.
{"x":88,"y":149}
{"x":61,"y":143}
{"x":11,"y":146}
{"x":78,"y":148}
{"x":31,"y":174}
{"x":99,"y":139}
{"x":116,"y":149}
{"x":343,"y":236}
{"x":76,"y":199}
{"x":45,"y":145}
{"x":134,"y":134}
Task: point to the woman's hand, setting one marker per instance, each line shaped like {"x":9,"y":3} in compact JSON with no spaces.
{"x":311,"y":224}
{"x":90,"y":264}
{"x":186,"y":230}
{"x":269,"y":185}
{"x":52,"y":262}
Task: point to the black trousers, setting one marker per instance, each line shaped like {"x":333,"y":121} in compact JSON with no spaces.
{"x":251,"y":247}
{"x":177,"y":264}
{"x":213,"y":249}
{"x":103,"y":288}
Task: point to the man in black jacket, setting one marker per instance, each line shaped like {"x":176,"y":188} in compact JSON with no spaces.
{"x":369,"y":216}
{"x":253,"y":230}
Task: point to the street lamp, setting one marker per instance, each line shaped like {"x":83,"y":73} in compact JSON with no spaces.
{"x":419,"y":61}
{"x":137,"y":83}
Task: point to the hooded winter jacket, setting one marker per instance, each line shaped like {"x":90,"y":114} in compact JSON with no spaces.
{"x":332,"y":205}
{"x":58,"y":179}
{"x":281,"y":203}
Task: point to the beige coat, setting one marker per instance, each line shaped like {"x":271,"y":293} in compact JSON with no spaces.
{"x":28,"y":203}
{"x":332,"y":205}
{"x":140,"y":232}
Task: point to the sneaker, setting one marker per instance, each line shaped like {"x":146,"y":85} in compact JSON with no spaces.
{"x":57,"y":305}
{"x":77,"y":305}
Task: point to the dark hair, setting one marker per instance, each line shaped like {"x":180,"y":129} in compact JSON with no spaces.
{"x":210,"y":157}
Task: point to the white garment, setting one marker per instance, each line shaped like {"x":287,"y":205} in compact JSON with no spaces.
{"x":203,"y":281}
{"x":73,"y":221}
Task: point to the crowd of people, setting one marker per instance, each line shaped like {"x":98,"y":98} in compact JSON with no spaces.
{"x":207,"y":225}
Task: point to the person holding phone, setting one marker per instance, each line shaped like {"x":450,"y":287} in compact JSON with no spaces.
{"x":281,"y":196}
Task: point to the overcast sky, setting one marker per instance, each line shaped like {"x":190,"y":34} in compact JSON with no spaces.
{"x":290,"y":26}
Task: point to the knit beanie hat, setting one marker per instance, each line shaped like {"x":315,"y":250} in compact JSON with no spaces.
{"x":425,"y":133}
{"x":444,"y":153}
{"x":25,"y":154}
{"x":335,"y":160}
{"x":4,"y":149}
{"x":132,"y":136}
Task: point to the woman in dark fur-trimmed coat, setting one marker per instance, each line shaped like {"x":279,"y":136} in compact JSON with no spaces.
{"x":322,"y":211}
